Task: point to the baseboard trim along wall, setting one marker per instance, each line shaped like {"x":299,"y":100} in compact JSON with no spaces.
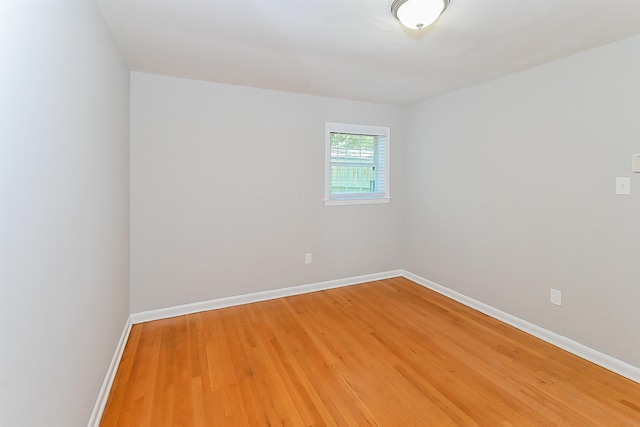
{"x":619,"y":367}
{"x":103,"y":396}
{"x":179,"y":310}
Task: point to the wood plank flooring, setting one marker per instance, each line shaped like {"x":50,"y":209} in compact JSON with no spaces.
{"x":385,"y":353}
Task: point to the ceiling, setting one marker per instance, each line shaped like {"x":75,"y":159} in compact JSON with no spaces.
{"x":355,"y":49}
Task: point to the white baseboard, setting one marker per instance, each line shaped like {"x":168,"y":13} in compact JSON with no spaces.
{"x":103,"y":396}
{"x":180,"y":310}
{"x":618,"y":366}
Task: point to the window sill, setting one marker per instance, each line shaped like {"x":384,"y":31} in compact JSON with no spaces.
{"x":363,"y":201}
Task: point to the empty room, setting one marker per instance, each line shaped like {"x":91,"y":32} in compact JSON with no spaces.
{"x":319,"y":212}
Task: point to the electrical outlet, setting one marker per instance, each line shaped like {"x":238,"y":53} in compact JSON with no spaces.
{"x":623,"y":185}
{"x":556,"y":297}
{"x":307,"y":258}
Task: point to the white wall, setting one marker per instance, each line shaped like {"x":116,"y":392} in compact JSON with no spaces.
{"x":64,"y":187}
{"x":227,"y":186}
{"x":510,"y":192}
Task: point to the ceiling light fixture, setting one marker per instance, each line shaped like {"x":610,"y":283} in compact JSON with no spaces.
{"x":418,"y":14}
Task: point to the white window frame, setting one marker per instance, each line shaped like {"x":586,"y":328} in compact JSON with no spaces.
{"x":356,"y":198}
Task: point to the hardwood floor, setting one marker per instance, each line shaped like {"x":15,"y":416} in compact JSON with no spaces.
{"x":385,"y":353}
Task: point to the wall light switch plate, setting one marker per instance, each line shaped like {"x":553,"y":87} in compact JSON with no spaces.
{"x":623,"y":185}
{"x":635,"y":163}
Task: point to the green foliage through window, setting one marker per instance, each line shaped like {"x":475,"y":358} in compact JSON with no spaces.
{"x":353,"y":163}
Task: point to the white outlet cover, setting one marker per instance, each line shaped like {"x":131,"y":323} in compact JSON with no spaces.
{"x":623,"y":185}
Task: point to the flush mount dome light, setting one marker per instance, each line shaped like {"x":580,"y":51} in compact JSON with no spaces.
{"x":418,"y":14}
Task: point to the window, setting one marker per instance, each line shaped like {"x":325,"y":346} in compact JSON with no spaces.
{"x":357,"y":164}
